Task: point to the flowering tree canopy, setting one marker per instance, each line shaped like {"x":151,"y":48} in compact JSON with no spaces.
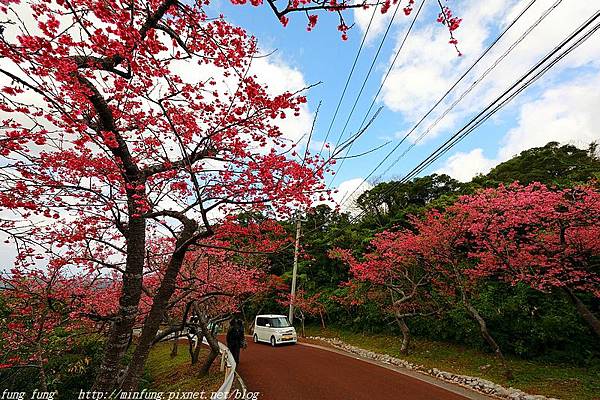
{"x":125,"y":121}
{"x":310,"y":8}
{"x":44,"y":301}
{"x":532,"y":234}
{"x":545,"y":238}
{"x":130,"y":131}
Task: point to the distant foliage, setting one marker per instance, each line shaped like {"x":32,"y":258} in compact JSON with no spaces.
{"x":552,"y":164}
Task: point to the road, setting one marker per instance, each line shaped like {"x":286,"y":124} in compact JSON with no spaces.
{"x":301,"y":372}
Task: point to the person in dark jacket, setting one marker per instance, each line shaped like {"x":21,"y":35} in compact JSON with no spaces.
{"x":235,"y":337}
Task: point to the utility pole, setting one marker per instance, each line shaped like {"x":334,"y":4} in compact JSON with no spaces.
{"x":295,"y":270}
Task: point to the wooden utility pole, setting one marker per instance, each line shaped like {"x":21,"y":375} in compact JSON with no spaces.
{"x":295,"y":270}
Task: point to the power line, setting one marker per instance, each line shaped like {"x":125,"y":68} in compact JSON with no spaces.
{"x":439,"y":101}
{"x":474,"y":84}
{"x":481,"y":118}
{"x":534,"y":73}
{"x":454,"y":85}
{"x":380,"y":87}
{"x":368,"y":73}
{"x":348,"y":79}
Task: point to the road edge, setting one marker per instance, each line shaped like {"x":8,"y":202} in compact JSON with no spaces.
{"x":454,"y":388}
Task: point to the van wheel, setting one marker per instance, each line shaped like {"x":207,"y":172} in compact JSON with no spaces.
{"x":255,"y":338}
{"x":272,"y":341}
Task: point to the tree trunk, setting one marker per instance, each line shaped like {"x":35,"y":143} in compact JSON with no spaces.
{"x":204,"y":370}
{"x":175,"y":343}
{"x":195,"y":352}
{"x":485,"y":333}
{"x":122,"y":328}
{"x":322,"y":319}
{"x":154,"y":317}
{"x":584,"y":312}
{"x":405,"y":335}
{"x":191,"y":347}
{"x":43,"y":377}
{"x":212,"y":343}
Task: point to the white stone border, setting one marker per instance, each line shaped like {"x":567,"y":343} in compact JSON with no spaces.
{"x":477,"y":384}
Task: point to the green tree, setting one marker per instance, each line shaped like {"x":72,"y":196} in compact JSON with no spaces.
{"x":389,"y":203}
{"x":553,"y":164}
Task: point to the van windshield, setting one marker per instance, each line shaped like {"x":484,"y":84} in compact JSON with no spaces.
{"x":279,"y":322}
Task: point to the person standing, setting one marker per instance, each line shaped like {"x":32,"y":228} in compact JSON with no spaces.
{"x":235,"y":337}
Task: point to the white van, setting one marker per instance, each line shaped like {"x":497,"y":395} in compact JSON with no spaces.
{"x":274,"y":329}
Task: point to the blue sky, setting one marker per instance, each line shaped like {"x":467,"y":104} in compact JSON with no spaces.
{"x":426,"y":67}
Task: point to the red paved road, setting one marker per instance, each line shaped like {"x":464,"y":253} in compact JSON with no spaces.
{"x":297,"y":372}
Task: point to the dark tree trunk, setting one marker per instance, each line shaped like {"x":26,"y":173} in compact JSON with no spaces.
{"x":212,"y":343}
{"x":205,"y":368}
{"x":109,"y":372}
{"x":405,"y":334}
{"x":122,"y":328}
{"x":485,"y":333}
{"x":159,"y":303}
{"x":175,"y":344}
{"x":190,"y":339}
{"x":195,"y":350}
{"x":43,"y":377}
{"x":584,"y":312}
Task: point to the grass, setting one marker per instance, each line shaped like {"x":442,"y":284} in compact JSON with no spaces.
{"x":560,"y":381}
{"x":177,"y":374}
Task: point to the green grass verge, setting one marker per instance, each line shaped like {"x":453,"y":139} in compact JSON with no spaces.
{"x":167,"y":374}
{"x":560,"y":381}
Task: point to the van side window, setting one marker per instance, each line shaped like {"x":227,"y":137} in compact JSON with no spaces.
{"x":260,"y":321}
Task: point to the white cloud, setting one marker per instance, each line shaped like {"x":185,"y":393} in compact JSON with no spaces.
{"x":566,"y":113}
{"x":325,"y":148}
{"x":8,"y":252}
{"x":347,"y":192}
{"x":428,"y":65}
{"x":279,"y":77}
{"x":464,"y":166}
{"x":380,"y":21}
{"x":272,"y":72}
